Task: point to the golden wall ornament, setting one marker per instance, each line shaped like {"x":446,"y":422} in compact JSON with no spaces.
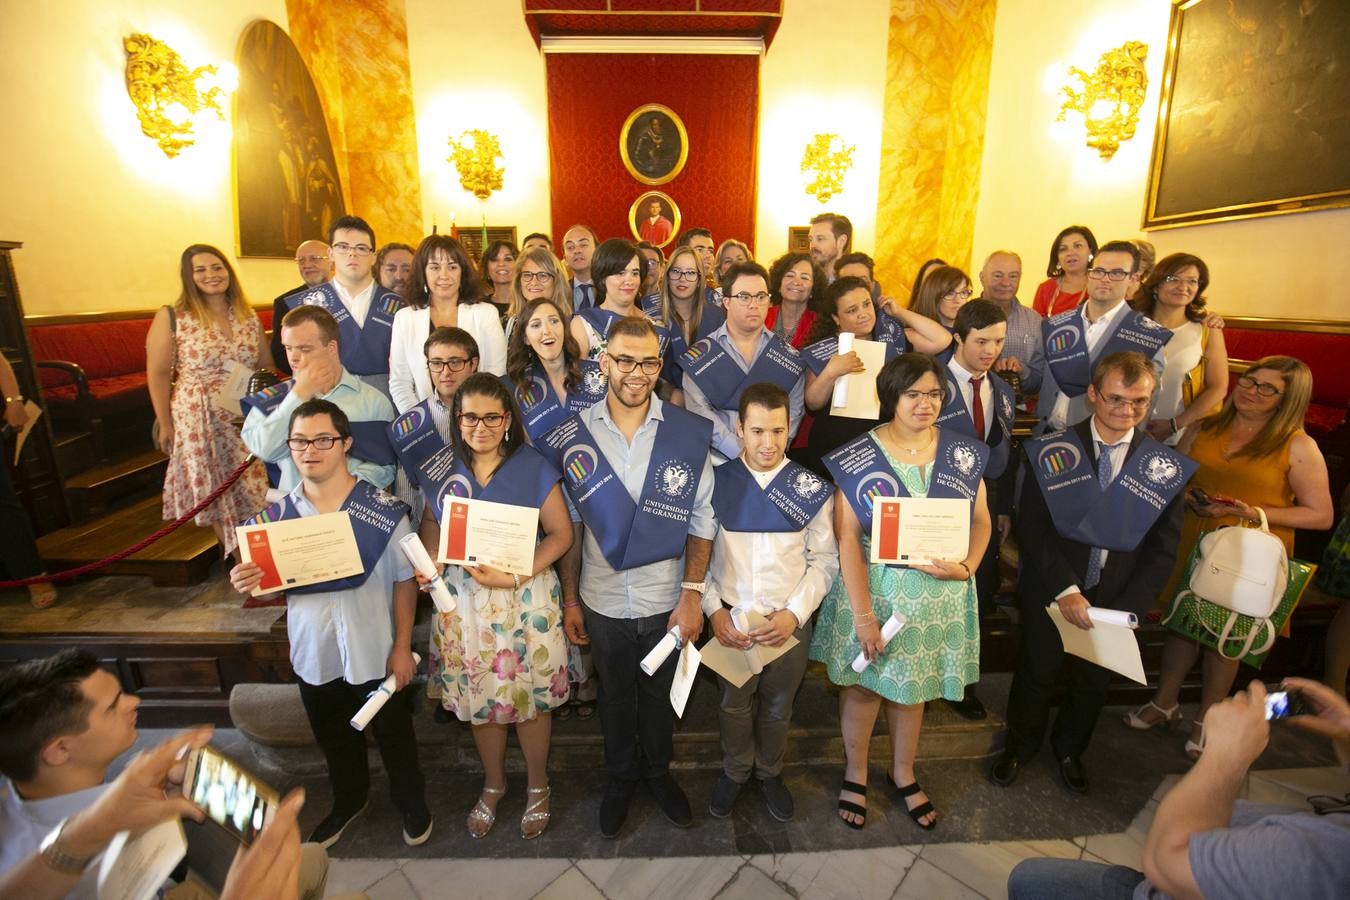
{"x":1111,"y":96}
{"x":475,"y":154}
{"x":827,"y":159}
{"x":165,"y":92}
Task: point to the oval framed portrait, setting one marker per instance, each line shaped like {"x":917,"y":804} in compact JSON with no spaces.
{"x":653,"y":144}
{"x":654,"y":218}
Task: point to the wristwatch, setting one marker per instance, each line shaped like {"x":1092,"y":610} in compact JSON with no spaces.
{"x":697,"y":587}
{"x":56,"y":858}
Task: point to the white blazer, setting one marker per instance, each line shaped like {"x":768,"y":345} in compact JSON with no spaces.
{"x":409,"y":381}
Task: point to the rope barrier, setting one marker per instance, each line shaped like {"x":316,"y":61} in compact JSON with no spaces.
{"x":71,"y":574}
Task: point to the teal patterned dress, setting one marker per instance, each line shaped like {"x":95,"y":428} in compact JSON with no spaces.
{"x":938,"y":652}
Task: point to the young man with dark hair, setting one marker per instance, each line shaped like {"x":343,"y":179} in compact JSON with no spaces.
{"x":831,"y":237}
{"x":738,"y":353}
{"x":311,"y":338}
{"x":536,"y":239}
{"x":774,"y":556}
{"x":1098,"y":523}
{"x":347,"y":635}
{"x":363,"y":309}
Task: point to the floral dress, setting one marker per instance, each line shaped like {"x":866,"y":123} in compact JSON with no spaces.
{"x":514,"y":664}
{"x":206,"y":442}
{"x":936,"y":654}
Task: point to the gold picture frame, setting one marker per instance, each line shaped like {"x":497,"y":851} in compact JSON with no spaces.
{"x":668,"y":219}
{"x":1206,"y":165}
{"x":644,"y":144}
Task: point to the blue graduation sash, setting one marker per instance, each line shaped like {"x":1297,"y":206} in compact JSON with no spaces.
{"x":956,"y":414}
{"x":712,"y":319}
{"x":887,"y":330}
{"x":601,"y":320}
{"x":370,"y":440}
{"x":374,"y":514}
{"x":651,"y":306}
{"x":863,"y":473}
{"x":789,"y":502}
{"x":1119,"y":517}
{"x":722,"y":380}
{"x":635,"y":534}
{"x":1066,"y":350}
{"x":540,"y":408}
{"x":364,"y":349}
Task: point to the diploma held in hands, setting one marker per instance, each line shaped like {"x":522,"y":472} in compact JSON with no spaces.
{"x":855,"y":395}
{"x":480,"y":532}
{"x":737,"y":666}
{"x":421,"y":561}
{"x":914,"y":531}
{"x":888,"y":631}
{"x":302,"y":551}
{"x":1110,"y":642}
{"x":377,"y":699}
{"x":652,"y":661}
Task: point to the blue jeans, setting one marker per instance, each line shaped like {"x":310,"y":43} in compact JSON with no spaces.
{"x":1057,"y":879}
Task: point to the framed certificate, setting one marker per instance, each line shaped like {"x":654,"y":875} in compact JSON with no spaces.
{"x":480,"y":532}
{"x":297,"y":552}
{"x":914,"y":531}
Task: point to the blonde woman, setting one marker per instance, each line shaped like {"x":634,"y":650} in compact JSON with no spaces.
{"x":538,"y":275}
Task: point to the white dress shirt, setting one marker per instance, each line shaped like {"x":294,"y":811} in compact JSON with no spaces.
{"x":358,"y":304}
{"x":1118,"y":457}
{"x":775,"y":570}
{"x":968,"y":393}
{"x":24,"y":823}
{"x":409,"y":380}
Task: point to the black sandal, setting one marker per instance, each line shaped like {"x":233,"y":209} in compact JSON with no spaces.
{"x":918,"y":812}
{"x":849,"y":806}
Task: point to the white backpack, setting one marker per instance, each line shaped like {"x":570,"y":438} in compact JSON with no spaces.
{"x":1242,"y":569}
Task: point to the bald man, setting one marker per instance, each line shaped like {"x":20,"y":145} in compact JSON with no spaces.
{"x":316,"y":266}
{"x":1024,"y":351}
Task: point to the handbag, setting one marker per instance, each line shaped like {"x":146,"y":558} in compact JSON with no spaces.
{"x":1242,"y":569}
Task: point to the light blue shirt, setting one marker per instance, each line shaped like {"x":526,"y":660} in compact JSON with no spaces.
{"x":1025,"y":344}
{"x":724,"y":420}
{"x":346,"y":634}
{"x":654,"y":588}
{"x":265,"y":435}
{"x":24,"y":823}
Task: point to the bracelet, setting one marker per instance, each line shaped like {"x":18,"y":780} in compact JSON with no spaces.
{"x":517,"y":580}
{"x":864,"y":617}
{"x":966,"y":567}
{"x":571,"y":604}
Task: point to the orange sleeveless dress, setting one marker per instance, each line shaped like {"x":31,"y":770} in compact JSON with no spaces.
{"x":1260,"y":482}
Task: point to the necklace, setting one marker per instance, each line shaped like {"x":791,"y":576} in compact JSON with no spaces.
{"x":915,"y":451}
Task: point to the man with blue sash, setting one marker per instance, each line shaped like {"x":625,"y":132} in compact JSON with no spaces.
{"x":1097,"y":524}
{"x":775,"y":556}
{"x":638,"y":475}
{"x":364,"y":310}
{"x":347,"y":635}
{"x":312,"y":343}
{"x":1104,"y":324}
{"x":740,"y":353}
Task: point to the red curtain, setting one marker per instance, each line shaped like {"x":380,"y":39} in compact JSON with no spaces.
{"x":590,"y":96}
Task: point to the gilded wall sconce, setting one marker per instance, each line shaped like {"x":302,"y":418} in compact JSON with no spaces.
{"x":1110,"y":98}
{"x":166,"y":93}
{"x":474,"y":155}
{"x":827,"y":159}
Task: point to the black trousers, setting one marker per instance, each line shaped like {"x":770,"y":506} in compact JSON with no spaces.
{"x":1040,"y":658}
{"x":986,"y":573}
{"x":635,"y":713}
{"x":330,"y":708}
{"x":18,"y":551}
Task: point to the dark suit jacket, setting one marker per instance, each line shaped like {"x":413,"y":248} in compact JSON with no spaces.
{"x":279,"y":310}
{"x":1050,"y":563}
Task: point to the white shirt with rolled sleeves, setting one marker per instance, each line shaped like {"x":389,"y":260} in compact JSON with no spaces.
{"x":349,"y":633}
{"x":1061,"y":411}
{"x":777,"y":570}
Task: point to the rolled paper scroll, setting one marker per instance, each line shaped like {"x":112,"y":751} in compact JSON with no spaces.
{"x":742,"y":623}
{"x":421,"y":561}
{"x":377,"y":699}
{"x":888,"y":631}
{"x":668,"y":645}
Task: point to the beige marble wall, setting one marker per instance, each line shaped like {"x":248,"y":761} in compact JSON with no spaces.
{"x":937,"y":85}
{"x":357,"y":53}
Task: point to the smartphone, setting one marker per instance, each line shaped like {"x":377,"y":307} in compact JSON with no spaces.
{"x":1199,"y":496}
{"x":233,"y":798}
{"x":1283,"y":704}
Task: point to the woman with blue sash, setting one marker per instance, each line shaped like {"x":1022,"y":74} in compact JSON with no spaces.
{"x":544,"y":369}
{"x":616,"y":273}
{"x":848,"y":301}
{"x":504,"y":658}
{"x":683,"y":309}
{"x":938,"y":652}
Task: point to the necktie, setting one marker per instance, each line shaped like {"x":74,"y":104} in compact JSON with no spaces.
{"x":1097,"y":556}
{"x":585,"y":301}
{"x":977,"y":405}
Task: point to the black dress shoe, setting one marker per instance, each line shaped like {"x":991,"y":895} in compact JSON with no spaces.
{"x":614,"y":808}
{"x":724,"y":794}
{"x":1005,"y":770}
{"x":1072,"y":773}
{"x":777,"y":798}
{"x":670,"y":797}
{"x":969,"y":707}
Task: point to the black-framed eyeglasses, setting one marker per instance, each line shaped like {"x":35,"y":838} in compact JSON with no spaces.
{"x":455,"y":363}
{"x":1261,"y":387}
{"x":531,"y":277}
{"x":626,"y":364}
{"x":353,"y":249}
{"x":745,"y":298}
{"x":1114,"y":274}
{"x":323,"y":442}
{"x":958,"y":295}
{"x":684,"y":274}
{"x":491,"y":420}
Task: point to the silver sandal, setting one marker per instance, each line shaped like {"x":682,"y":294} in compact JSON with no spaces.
{"x":480,"y":814}
{"x":533,"y":815}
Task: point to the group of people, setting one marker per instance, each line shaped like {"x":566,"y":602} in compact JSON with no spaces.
{"x":672,"y":420}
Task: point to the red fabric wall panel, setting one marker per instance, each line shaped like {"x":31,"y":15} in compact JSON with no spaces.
{"x":590,"y":96}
